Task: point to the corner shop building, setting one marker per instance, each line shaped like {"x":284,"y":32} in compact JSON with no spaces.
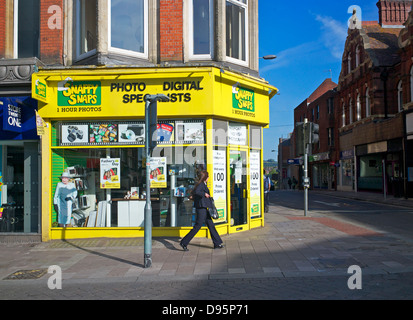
{"x":95,"y":132}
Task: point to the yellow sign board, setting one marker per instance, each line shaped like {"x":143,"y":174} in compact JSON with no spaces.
{"x":109,"y":93}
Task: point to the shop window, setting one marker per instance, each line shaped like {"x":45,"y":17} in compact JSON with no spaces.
{"x":108,"y":186}
{"x":255,"y":137}
{"x":201,"y":32}
{"x":85,"y":27}
{"x":128,"y":27}
{"x":220,"y":132}
{"x":237,"y":31}
{"x":26,"y":28}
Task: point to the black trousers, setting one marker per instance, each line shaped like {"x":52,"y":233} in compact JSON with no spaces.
{"x":202,"y":217}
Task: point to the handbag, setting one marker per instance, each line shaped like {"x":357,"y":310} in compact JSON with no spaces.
{"x":213,"y":212}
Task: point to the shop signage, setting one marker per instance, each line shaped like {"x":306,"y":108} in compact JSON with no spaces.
{"x":255,"y":184}
{"x":243,"y":101}
{"x":79,"y":93}
{"x":12,"y":117}
{"x":110,"y":173}
{"x":220,"y":183}
{"x":40,"y":91}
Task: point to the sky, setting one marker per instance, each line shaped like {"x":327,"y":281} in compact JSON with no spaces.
{"x":308,"y":38}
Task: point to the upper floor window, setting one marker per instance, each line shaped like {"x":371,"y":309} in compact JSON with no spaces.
{"x":237,"y":31}
{"x":411,"y":83}
{"x":128,"y":27}
{"x":368,"y":103}
{"x":201,"y":32}
{"x":350,"y":109}
{"x":358,"y":107}
{"x":85,"y":27}
{"x":26,"y":28}
{"x":330,"y":103}
{"x":343,"y":116}
{"x":358,"y":56}
{"x":400,"y":96}
{"x":330,"y":134}
{"x":349,"y":63}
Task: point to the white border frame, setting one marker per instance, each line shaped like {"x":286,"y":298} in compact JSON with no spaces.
{"x":131,"y":53}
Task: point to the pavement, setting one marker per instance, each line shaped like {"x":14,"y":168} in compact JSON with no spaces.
{"x":291,"y":258}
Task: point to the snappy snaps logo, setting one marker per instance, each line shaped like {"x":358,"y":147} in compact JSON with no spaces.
{"x":243,"y":99}
{"x":78,"y":93}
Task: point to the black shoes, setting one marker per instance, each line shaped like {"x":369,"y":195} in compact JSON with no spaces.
{"x":220,"y":246}
{"x":183,"y":246}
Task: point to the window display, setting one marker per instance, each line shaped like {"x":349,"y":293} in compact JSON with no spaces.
{"x":107,"y":186}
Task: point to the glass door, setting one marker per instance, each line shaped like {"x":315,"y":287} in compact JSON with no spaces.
{"x":239,"y":189}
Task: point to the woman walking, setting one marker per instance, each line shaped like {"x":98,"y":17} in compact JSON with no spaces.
{"x":201,"y":202}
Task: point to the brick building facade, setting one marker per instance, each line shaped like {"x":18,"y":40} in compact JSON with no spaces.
{"x":373,"y":108}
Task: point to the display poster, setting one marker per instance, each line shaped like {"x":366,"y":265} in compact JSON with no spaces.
{"x":190,"y":132}
{"x":237,"y":134}
{"x":158,"y":175}
{"x":133,"y":133}
{"x":110,"y":173}
{"x":220,"y":184}
{"x":75,"y":134}
{"x":255,"y":184}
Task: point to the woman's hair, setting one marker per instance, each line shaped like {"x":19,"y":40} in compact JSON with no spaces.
{"x":203,"y":175}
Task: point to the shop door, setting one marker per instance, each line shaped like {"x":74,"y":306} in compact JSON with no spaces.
{"x":239,"y":189}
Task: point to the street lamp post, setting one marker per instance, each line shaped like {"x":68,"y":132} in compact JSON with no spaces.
{"x":151,"y":113}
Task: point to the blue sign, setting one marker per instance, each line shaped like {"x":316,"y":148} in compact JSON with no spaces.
{"x":18,"y":118}
{"x":294,"y":161}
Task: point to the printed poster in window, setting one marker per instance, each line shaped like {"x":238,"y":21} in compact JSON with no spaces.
{"x":220,"y":184}
{"x":110,"y":173}
{"x":255,"y":184}
{"x":158,"y":175}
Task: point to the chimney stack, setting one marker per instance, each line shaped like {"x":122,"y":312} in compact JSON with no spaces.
{"x":393,"y":13}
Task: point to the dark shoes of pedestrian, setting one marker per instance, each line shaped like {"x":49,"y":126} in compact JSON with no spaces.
{"x":183,"y":246}
{"x":220,"y":246}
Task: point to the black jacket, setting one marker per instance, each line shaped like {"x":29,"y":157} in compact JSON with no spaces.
{"x":200,"y":201}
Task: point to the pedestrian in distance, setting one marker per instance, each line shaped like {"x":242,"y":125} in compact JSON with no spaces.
{"x":267,"y":186}
{"x":289,"y":182}
{"x":202,"y":201}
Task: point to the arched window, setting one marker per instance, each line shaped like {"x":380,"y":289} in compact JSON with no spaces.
{"x":343,"y":116}
{"x":358,"y":61}
{"x":350,"y":108}
{"x":349,"y":63}
{"x":400,"y":95}
{"x":368,"y":103}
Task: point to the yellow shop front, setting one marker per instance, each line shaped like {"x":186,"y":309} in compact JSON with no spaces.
{"x":93,"y":149}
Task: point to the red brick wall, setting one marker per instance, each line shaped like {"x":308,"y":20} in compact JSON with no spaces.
{"x":2,"y":28}
{"x":171,"y":30}
{"x":51,"y":40}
